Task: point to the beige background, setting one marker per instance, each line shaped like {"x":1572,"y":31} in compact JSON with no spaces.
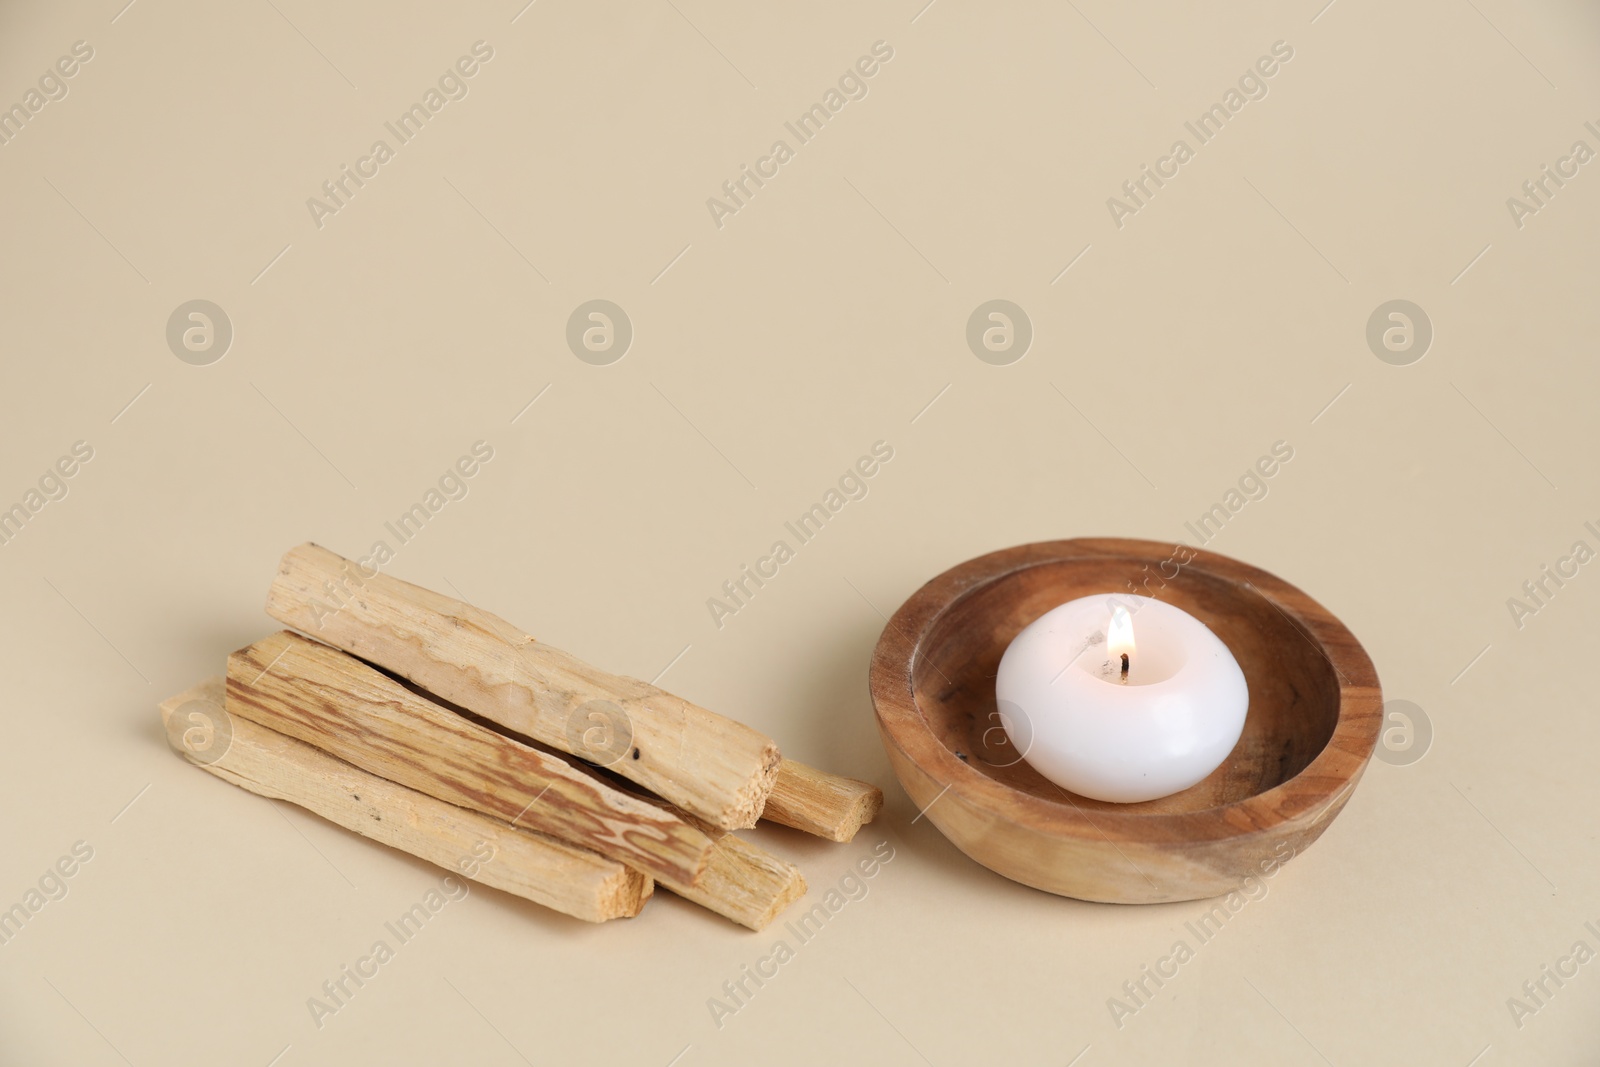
{"x":1228,"y":314}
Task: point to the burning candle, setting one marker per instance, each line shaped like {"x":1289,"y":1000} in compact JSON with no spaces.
{"x":1121,"y":697}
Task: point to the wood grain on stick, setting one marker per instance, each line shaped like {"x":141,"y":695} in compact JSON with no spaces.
{"x":708,"y":765}
{"x":743,"y":882}
{"x":828,"y":805}
{"x":559,"y":876}
{"x":333,"y":701}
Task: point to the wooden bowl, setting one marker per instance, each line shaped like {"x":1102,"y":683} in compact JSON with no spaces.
{"x":1314,"y":716}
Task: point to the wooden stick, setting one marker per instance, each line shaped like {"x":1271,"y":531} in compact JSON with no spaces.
{"x":559,"y":876}
{"x":344,"y":707}
{"x":743,"y":882}
{"x":820,"y":803}
{"x":705,"y":764}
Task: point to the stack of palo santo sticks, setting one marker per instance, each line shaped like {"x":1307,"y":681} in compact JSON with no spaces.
{"x":437,"y":728}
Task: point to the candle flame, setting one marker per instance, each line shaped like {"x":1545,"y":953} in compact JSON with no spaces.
{"x":1119,"y":635}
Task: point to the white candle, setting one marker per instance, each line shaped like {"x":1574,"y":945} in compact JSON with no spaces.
{"x":1121,"y":697}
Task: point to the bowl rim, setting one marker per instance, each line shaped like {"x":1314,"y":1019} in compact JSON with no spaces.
{"x":1330,"y":774}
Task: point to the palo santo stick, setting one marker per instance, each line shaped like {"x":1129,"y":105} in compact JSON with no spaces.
{"x":559,"y":876}
{"x":820,"y":803}
{"x":325,"y":698}
{"x":707,"y":765}
{"x":743,"y":882}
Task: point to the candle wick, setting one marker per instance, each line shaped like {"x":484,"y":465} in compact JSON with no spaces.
{"x":1124,"y":668}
